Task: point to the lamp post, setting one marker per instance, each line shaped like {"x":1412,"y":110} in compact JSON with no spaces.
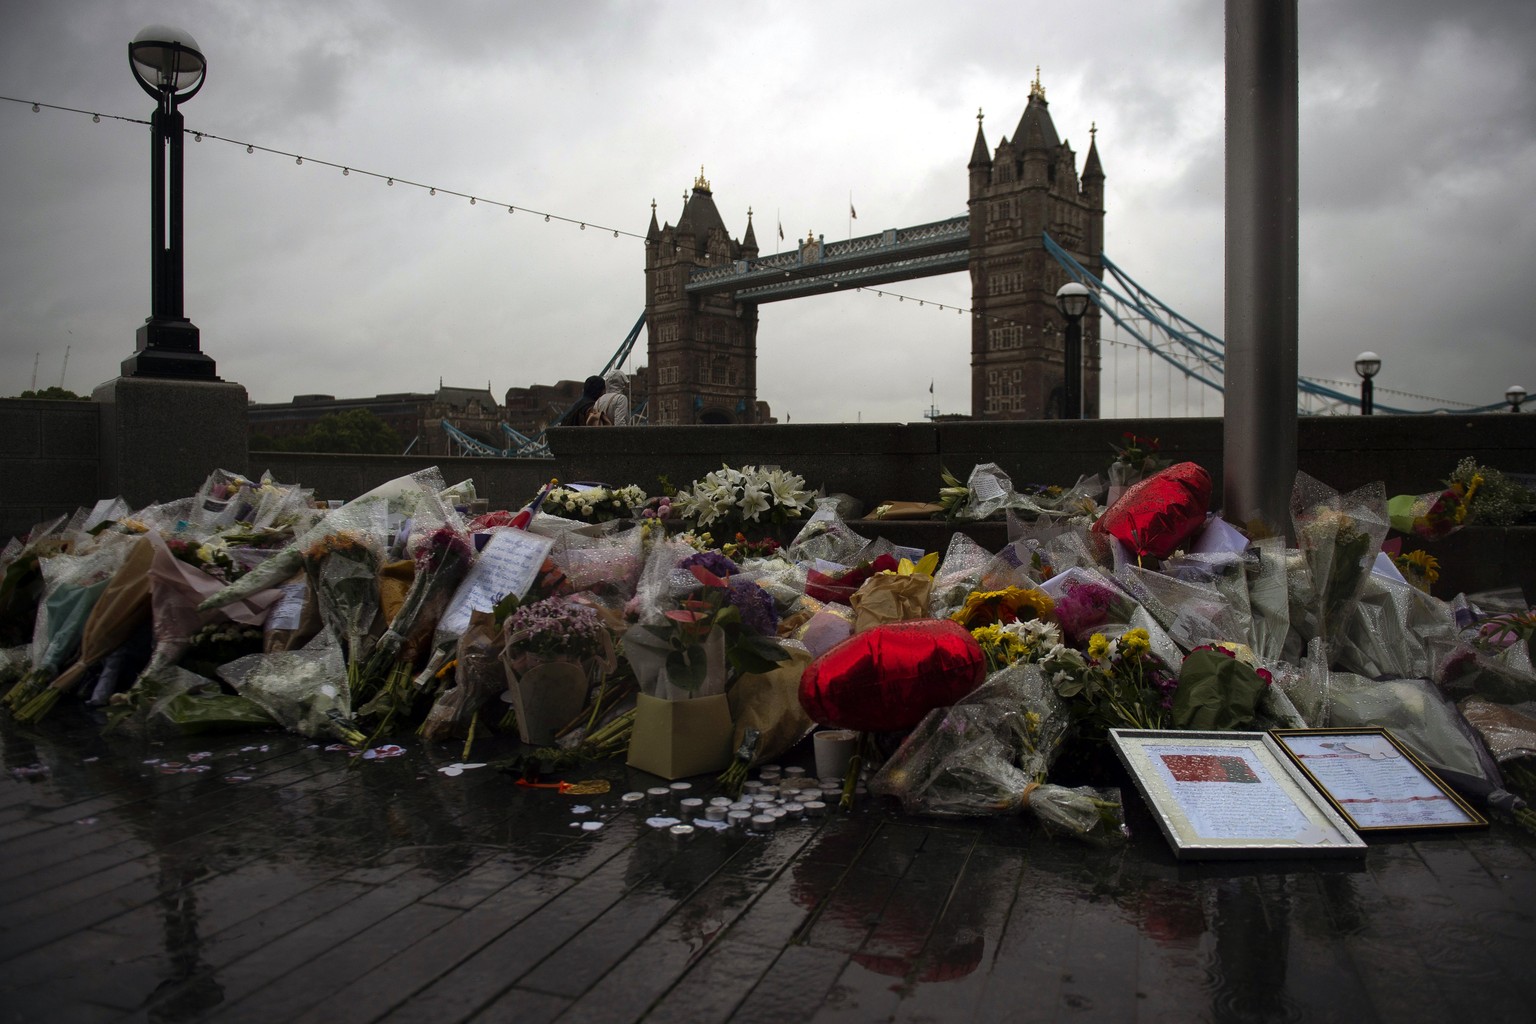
{"x":168,"y":65}
{"x":1514,"y":396}
{"x":1367,"y":364}
{"x":1072,"y":300}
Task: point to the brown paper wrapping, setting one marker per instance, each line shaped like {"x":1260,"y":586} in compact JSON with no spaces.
{"x":770,"y":703}
{"x":890,"y":597}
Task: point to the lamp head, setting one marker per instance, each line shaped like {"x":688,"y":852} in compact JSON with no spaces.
{"x":167,"y":62}
{"x":1072,"y":300}
{"x":1515,"y":396}
{"x":1367,"y":364}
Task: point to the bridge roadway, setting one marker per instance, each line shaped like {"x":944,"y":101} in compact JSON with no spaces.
{"x":262,"y":877}
{"x":896,"y":254}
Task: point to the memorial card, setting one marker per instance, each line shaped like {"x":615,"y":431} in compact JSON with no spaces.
{"x":1374,"y":781}
{"x":1231,"y":794}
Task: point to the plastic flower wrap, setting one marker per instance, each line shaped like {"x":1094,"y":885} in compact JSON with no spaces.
{"x":122,"y":607}
{"x":1190,"y":608}
{"x":826,"y":538}
{"x":606,"y":557}
{"x":986,"y":492}
{"x":305,"y":691}
{"x":960,"y":572}
{"x":839,"y":585}
{"x":71,"y":584}
{"x":343,"y":570}
{"x":1395,"y":630}
{"x":1269,"y":608}
{"x":1135,"y":459}
{"x":984,"y":754}
{"x":1085,"y":600}
{"x":720,"y":624}
{"x":1339,"y":535}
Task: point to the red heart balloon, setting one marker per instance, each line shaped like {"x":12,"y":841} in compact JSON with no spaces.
{"x":887,"y":678}
{"x":1156,"y":515}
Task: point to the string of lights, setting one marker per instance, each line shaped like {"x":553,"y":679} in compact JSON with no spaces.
{"x":476,"y":199}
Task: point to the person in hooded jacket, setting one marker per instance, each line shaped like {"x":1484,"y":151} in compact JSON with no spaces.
{"x":613,"y":406}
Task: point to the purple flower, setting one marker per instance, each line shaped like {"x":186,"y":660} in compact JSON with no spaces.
{"x":758,"y":613}
{"x":1082,"y":608}
{"x":713,"y":561}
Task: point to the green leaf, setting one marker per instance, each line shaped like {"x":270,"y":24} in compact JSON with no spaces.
{"x":686,"y":668}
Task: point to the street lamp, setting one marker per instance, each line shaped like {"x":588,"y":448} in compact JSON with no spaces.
{"x":1367,"y":364}
{"x":1072,"y":300}
{"x":170,"y":66}
{"x":1514,"y":396}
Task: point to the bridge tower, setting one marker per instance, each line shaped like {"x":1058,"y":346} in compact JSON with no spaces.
{"x":1030,"y":185}
{"x":701,"y":349}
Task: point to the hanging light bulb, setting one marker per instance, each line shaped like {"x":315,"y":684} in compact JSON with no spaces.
{"x":471,"y":200}
{"x":250,"y":149}
{"x":432,"y":193}
{"x":96,"y":118}
{"x":391,"y":181}
{"x":345,"y":171}
{"x":511,"y":210}
{"x":298,"y":160}
{"x":197,"y":136}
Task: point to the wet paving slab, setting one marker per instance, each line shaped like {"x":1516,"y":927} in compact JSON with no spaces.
{"x":262,"y":877}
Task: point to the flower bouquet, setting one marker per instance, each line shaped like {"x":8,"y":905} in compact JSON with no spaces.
{"x":721,"y":622}
{"x":343,"y":570}
{"x":595,"y":504}
{"x":1124,"y":685}
{"x":1339,"y":536}
{"x":553,"y":649}
{"x":754,"y":499}
{"x":1135,"y":459}
{"x":442,"y":557}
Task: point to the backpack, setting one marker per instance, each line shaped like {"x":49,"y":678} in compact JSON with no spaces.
{"x":597,"y":416}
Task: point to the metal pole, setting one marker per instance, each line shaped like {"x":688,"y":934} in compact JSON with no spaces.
{"x":1074,"y":369}
{"x":1259,"y":427}
{"x":1367,"y":396}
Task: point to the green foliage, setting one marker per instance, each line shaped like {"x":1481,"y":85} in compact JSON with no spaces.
{"x":355,"y":432}
{"x":55,"y":394}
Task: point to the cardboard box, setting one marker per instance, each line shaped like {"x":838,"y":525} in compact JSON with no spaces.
{"x":678,"y":738}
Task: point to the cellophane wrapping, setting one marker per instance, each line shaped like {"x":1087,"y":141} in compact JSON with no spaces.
{"x":983,"y":754}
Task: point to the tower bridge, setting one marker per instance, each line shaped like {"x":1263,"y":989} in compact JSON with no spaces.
{"x":704,"y":286}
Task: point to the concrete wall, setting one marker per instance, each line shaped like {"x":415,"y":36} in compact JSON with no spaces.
{"x":49,"y":459}
{"x":880,"y":461}
{"x":52,"y":461}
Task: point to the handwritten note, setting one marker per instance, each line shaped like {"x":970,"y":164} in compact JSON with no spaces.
{"x":1374,"y":784}
{"x":288,"y":611}
{"x":508,"y":565}
{"x":1227,"y":794}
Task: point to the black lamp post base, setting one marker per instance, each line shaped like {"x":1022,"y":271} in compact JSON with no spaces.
{"x":169,"y":348}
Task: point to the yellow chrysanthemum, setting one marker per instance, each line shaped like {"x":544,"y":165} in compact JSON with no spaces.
{"x":1135,"y":643}
{"x":1098,"y":645}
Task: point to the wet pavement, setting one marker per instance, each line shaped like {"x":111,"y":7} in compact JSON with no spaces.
{"x":262,"y":877}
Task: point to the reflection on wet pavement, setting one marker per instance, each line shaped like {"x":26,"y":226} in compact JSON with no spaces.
{"x":264,"y":877}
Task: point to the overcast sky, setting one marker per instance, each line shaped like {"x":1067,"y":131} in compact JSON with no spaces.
{"x":1418,"y":175}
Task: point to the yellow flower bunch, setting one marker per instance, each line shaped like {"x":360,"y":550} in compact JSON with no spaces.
{"x":1011,"y":604}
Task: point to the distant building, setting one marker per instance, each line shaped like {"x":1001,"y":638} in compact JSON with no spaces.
{"x":416,"y":417}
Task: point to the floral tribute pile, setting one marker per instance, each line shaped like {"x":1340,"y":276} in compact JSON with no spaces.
{"x":977,"y":679}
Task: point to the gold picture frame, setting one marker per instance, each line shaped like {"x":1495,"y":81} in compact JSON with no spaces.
{"x":1376,"y":782}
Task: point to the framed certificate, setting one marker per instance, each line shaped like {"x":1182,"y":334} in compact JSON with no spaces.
{"x":1375,"y":781}
{"x":1231,"y":795}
